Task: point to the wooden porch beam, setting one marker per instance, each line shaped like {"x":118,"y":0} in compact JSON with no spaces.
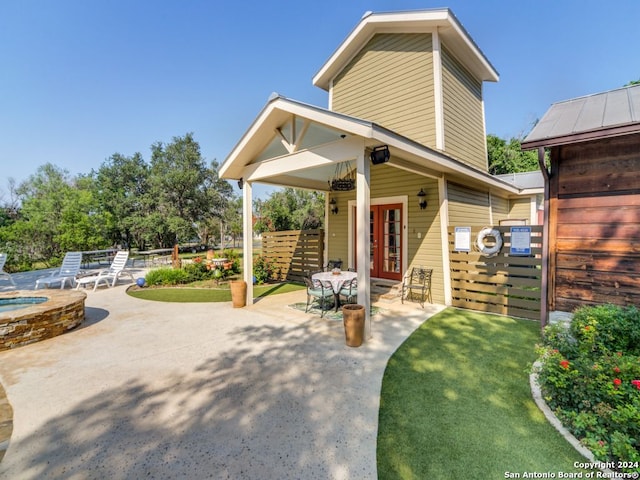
{"x":363,"y":201}
{"x":247,"y":239}
{"x":328,"y":154}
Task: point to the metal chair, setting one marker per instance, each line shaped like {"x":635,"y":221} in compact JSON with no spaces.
{"x":417,"y":279}
{"x":331,"y":264}
{"x":318,"y":290}
{"x":349,"y":290}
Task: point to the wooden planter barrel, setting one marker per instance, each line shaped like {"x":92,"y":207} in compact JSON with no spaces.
{"x":238,"y":293}
{"x":353,"y":316}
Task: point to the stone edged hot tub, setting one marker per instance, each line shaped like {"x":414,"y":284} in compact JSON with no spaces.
{"x":61,"y":310}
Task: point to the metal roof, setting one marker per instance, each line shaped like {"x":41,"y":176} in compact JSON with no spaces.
{"x":616,"y":112}
{"x":524,"y":180}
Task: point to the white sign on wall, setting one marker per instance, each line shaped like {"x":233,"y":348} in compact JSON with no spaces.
{"x":520,"y":241}
{"x":462,"y":240}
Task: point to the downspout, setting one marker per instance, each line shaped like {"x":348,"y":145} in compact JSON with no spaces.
{"x":544,"y":309}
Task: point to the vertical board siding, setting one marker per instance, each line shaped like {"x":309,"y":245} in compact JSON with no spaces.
{"x":595,"y":234}
{"x":294,"y":252}
{"x":504,"y":284}
{"x":390,"y":82}
{"x":463,"y":114}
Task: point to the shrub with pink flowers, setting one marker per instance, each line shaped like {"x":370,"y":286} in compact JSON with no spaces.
{"x":590,"y":377}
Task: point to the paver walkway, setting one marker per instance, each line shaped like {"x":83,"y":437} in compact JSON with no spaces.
{"x":160,"y":390}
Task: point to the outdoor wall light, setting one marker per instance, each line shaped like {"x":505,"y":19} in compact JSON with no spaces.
{"x":380,"y":155}
{"x":422,"y":199}
{"x":333,"y":206}
{"x":240,"y":183}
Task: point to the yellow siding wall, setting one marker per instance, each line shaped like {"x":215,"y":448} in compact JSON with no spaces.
{"x":390,"y":82}
{"x":387,"y":181}
{"x":464,"y":134}
{"x":499,"y":208}
{"x":521,"y":208}
{"x":467,"y":207}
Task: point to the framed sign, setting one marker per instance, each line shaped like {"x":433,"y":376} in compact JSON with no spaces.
{"x":520,"y":241}
{"x":462,"y":240}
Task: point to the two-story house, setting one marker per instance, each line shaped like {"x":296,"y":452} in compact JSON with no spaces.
{"x":405,"y":122}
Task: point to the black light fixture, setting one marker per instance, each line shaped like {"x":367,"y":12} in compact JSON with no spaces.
{"x":422,"y":199}
{"x":380,"y":155}
{"x":240,"y":183}
{"x":333,"y":206}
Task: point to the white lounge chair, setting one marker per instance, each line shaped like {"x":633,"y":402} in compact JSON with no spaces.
{"x":109,"y":276}
{"x":3,"y":260}
{"x":66,"y":273}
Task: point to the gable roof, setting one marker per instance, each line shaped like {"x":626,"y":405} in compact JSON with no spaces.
{"x":443,"y":20}
{"x":607,"y":114}
{"x":298,"y":169}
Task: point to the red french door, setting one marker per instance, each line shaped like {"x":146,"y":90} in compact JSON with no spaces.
{"x":385,"y":240}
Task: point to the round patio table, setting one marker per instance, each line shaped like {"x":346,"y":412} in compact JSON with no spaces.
{"x":336,"y":282}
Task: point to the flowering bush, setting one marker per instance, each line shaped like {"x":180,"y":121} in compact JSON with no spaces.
{"x":263,"y":269}
{"x":590,"y":377}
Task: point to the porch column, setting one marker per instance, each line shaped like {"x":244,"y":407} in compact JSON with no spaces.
{"x":362,"y":237}
{"x":247,"y":239}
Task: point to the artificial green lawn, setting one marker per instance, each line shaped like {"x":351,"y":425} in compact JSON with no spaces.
{"x":456,"y":403}
{"x":187,"y":295}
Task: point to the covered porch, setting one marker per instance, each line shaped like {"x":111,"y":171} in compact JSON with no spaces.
{"x":292,"y":144}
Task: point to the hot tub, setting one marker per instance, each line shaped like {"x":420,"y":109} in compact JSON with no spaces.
{"x":30,"y":316}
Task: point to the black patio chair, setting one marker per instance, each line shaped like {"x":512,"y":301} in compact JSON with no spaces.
{"x":318,"y":290}
{"x":331,"y":264}
{"x":418,"y":280}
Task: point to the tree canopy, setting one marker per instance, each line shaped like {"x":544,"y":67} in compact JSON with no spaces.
{"x":127,"y":202}
{"x":507,"y":156}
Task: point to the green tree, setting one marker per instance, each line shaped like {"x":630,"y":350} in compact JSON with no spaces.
{"x":122,"y":184}
{"x":290,"y":209}
{"x":184,"y":191}
{"x":507,"y":156}
{"x":57,"y":214}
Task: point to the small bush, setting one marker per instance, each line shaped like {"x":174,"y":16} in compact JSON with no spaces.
{"x":590,"y":376}
{"x":263,"y":269}
{"x":166,"y":276}
{"x":196,"y":271}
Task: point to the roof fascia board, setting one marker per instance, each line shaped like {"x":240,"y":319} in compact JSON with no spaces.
{"x":447,"y":164}
{"x":581,"y":137}
{"x":289,"y":107}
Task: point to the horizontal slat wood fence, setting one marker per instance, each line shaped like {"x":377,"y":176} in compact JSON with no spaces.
{"x":504,"y":284}
{"x":294,"y":252}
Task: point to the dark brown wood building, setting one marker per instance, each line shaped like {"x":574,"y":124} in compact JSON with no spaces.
{"x":593,"y":206}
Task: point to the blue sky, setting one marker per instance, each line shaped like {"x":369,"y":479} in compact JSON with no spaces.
{"x":81,"y":80}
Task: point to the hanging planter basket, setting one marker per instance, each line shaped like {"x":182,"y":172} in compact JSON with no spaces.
{"x":343,"y":181}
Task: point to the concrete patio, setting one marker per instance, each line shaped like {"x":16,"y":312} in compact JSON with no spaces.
{"x":167,"y":390}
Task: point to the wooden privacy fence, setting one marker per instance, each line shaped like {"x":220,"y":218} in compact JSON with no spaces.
{"x":294,"y":252}
{"x":505,"y":284}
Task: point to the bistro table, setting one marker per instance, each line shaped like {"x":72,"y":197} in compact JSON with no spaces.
{"x":336,"y":281}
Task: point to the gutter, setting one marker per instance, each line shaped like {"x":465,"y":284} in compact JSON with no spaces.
{"x":544,"y":308}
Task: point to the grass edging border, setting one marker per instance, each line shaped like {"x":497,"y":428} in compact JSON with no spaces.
{"x":551,"y":417}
